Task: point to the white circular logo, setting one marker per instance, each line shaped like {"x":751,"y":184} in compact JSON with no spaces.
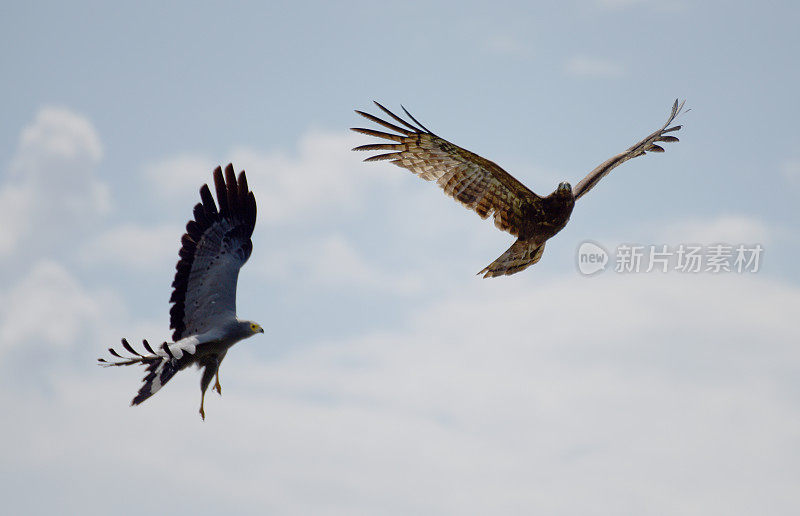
{"x":591,"y":258}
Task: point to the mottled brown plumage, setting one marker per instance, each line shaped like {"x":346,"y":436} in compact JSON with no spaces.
{"x":482,"y":186}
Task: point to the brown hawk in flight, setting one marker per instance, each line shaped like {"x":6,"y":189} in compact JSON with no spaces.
{"x":484,"y":187}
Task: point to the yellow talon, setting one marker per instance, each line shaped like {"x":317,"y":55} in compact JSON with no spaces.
{"x":217,"y":386}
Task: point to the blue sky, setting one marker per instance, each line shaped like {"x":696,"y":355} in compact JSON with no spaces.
{"x":391,"y":379}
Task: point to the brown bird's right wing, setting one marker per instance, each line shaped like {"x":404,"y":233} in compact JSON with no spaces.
{"x":475,"y":182}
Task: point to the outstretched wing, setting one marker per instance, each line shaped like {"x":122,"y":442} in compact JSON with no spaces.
{"x":216,"y":245}
{"x":475,"y":182}
{"x":647,"y":145}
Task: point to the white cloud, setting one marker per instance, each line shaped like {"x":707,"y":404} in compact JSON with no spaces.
{"x":500,"y":398}
{"x":585,"y":66}
{"x":14,"y":200}
{"x":179,"y":178}
{"x":49,"y":307}
{"x":332,"y":262}
{"x":322,"y":176}
{"x":57,"y":137}
{"x":133,"y":246}
{"x":49,"y":191}
{"x":731,"y":229}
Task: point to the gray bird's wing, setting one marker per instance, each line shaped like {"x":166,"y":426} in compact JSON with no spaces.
{"x":216,"y":245}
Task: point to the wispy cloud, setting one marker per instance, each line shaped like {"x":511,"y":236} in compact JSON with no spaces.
{"x":333,"y":262}
{"x":50,"y":190}
{"x":378,"y":420}
{"x":322,"y":174}
{"x":134,"y":247}
{"x":513,"y":391}
{"x":732,"y":229}
{"x":49,"y":307}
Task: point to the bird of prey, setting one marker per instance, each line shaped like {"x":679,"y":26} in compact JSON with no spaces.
{"x":484,"y":187}
{"x":203,"y":315}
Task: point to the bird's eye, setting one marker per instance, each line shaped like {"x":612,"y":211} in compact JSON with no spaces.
{"x":253,"y":327}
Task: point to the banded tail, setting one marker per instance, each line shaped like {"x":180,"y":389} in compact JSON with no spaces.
{"x":160,"y":366}
{"x":521,"y":255}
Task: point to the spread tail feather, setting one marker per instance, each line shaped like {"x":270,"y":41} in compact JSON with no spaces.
{"x":161,"y":366}
{"x":521,"y":255}
{"x":159,"y":372}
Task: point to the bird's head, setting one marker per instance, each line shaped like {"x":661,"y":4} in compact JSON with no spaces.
{"x":254,"y":327}
{"x":561,"y":199}
{"x":564,"y":188}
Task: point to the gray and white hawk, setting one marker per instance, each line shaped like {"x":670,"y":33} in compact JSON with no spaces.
{"x":203,"y":315}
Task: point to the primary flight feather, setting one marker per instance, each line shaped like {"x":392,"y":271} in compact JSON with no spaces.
{"x":487,"y":189}
{"x":203,"y":315}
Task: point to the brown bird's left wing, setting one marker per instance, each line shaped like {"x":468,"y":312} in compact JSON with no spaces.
{"x":649,"y":144}
{"x":475,"y":182}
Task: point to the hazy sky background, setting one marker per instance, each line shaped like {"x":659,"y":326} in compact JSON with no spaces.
{"x":391,"y":379}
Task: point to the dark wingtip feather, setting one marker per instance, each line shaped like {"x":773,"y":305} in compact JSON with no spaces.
{"x":384,"y":123}
{"x":397,"y":118}
{"x":243,"y":189}
{"x":232,"y":189}
{"x":382,"y":157}
{"x":377,"y":134}
{"x":378,"y":146}
{"x":415,"y":120}
{"x":147,"y":347}
{"x":222,"y":192}
{"x":130,"y":348}
{"x":209,"y":205}
{"x":200,"y":214}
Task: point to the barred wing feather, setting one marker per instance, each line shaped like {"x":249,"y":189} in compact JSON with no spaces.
{"x":473,"y":181}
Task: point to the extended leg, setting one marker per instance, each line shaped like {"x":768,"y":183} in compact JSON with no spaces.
{"x":208,"y":373}
{"x":217,"y":386}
